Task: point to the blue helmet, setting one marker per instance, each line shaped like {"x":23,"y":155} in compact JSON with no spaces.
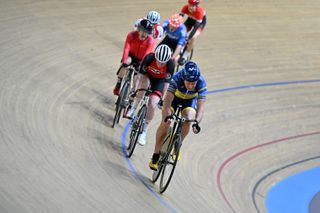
{"x":191,"y":72}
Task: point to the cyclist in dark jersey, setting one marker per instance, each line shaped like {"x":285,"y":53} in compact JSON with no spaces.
{"x":156,"y":70}
{"x":189,"y":89}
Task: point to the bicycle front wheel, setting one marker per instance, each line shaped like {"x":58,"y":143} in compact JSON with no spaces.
{"x":136,"y":129}
{"x":163,"y":152}
{"x":170,"y":163}
{"x":117,"y":113}
{"x":121,"y":102}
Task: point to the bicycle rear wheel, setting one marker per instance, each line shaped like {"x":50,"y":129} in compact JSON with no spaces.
{"x":169,"y":164}
{"x":136,"y":129}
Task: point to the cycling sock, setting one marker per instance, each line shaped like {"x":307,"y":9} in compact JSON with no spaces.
{"x":155,"y":157}
{"x":145,"y":126}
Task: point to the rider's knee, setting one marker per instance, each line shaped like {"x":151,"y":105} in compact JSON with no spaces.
{"x":153,"y":101}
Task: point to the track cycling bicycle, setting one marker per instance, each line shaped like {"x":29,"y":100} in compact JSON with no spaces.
{"x":137,"y":122}
{"x":169,"y":153}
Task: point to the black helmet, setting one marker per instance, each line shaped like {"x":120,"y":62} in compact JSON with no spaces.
{"x":145,"y":25}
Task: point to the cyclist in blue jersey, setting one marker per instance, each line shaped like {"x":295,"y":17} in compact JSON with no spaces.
{"x":189,"y":89}
{"x":176,"y":35}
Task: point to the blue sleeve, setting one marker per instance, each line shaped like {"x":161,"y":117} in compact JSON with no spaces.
{"x":202,"y":90}
{"x":165,"y":25}
{"x":173,"y":86}
{"x":174,"y":82}
{"x":183,"y":35}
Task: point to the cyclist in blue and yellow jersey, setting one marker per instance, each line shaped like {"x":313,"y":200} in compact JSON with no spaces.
{"x":189,"y":89}
{"x":176,"y":34}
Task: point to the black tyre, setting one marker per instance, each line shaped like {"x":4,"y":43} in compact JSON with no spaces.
{"x":169,"y":164}
{"x":121,"y":103}
{"x":116,"y":115}
{"x":124,"y":101}
{"x":136,"y":129}
{"x":163,"y":152}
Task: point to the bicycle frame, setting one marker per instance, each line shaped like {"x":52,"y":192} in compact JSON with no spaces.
{"x":139,"y":120}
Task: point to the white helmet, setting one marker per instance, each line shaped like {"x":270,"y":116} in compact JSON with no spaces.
{"x":153,"y":17}
{"x":163,"y":53}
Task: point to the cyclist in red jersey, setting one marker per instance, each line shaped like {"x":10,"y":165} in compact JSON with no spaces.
{"x":156,"y":70}
{"x":138,"y":44}
{"x":196,"y":21}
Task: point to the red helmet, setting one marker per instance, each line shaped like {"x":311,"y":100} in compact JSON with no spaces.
{"x":175,"y":20}
{"x":194,"y":2}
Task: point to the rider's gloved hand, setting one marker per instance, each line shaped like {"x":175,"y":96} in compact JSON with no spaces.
{"x":196,"y":128}
{"x":125,"y":65}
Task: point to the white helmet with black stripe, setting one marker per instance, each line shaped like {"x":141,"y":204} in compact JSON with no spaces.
{"x":153,"y":17}
{"x":163,"y":53}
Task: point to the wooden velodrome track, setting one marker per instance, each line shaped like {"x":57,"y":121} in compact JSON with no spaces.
{"x":57,"y":69}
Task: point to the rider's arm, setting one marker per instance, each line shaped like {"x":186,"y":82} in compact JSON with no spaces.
{"x":170,"y":71}
{"x":126,"y":48}
{"x":177,"y":51}
{"x":146,"y":62}
{"x":167,"y":105}
{"x":184,"y":10}
{"x":200,"y":109}
{"x":169,"y":98}
{"x":165,"y":88}
{"x":181,"y":41}
{"x":202,"y":93}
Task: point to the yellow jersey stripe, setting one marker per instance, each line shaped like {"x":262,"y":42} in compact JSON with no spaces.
{"x":181,"y":95}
